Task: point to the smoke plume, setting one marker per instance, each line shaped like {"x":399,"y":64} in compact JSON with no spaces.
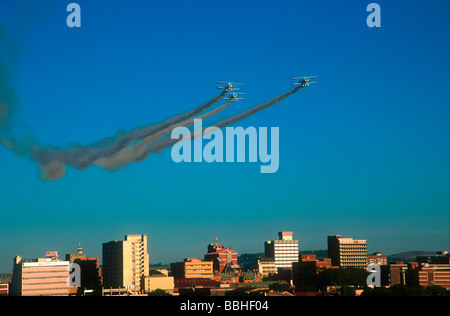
{"x":127,"y":155}
{"x":111,"y":153}
{"x":53,"y":161}
{"x":161,"y":144}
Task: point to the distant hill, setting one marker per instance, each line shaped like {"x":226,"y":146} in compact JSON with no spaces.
{"x":247,"y":261}
{"x":410,"y":256}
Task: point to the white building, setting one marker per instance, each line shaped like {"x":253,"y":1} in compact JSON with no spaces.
{"x":283,"y":251}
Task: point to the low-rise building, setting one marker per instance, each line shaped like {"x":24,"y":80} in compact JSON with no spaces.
{"x":192,"y":268}
{"x":425,"y":274}
{"x":266,"y":266}
{"x":158,"y":281}
{"x":394,"y":273}
{"x":377,"y":258}
{"x":4,"y":289}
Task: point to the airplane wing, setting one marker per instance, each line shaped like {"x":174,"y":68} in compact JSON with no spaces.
{"x":233,"y":83}
{"x":311,"y":77}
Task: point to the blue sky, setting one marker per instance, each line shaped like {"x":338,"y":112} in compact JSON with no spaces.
{"x":364,"y":153}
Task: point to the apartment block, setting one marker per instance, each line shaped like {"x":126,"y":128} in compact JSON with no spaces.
{"x":125,"y":262}
{"x":284,"y":251}
{"x":347,"y":252}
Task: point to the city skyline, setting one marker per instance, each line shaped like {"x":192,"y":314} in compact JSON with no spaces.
{"x":364,"y":153}
{"x":199,"y":254}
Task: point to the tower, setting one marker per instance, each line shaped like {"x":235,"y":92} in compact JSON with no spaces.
{"x":283,"y":251}
{"x":125,"y":262}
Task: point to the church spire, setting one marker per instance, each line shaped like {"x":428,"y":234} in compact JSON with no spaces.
{"x":79,"y":250}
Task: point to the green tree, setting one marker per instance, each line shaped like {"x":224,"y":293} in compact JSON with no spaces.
{"x":159,"y":292}
{"x":436,"y":290}
{"x":378,"y":291}
{"x":346,"y":290}
{"x":404,"y":290}
{"x":342,"y":277}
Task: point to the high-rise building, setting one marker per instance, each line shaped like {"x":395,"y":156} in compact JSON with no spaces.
{"x":283,"y":251}
{"x":40,"y":277}
{"x":125,"y":262}
{"x":347,"y":252}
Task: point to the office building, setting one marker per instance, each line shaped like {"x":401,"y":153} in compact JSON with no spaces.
{"x":284,"y":251}
{"x":91,"y":276}
{"x":394,"y":273}
{"x":425,"y":274}
{"x":377,"y":258}
{"x":47,"y":276}
{"x":347,"y":252}
{"x":125,"y":262}
{"x":192,"y":268}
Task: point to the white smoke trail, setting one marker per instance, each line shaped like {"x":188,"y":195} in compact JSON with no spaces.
{"x":161,"y":144}
{"x":127,"y":155}
{"x":53,"y":161}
